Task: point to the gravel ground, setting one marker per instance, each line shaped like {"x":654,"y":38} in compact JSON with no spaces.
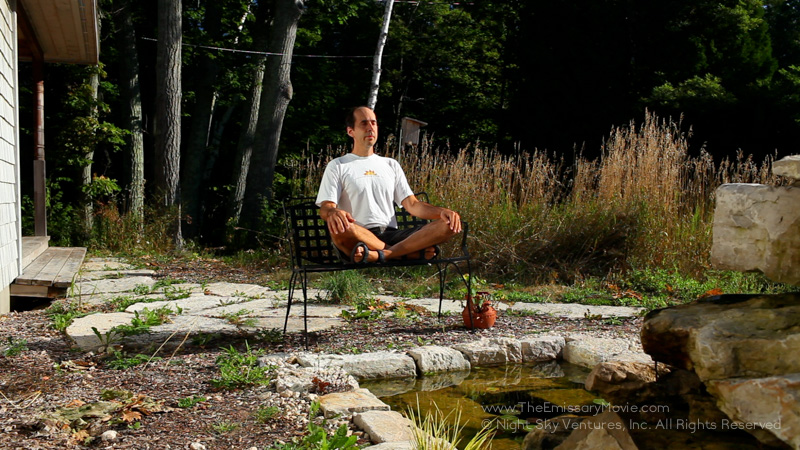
{"x":48,"y":373}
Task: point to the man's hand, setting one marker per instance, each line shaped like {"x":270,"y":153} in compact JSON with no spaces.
{"x":452,"y":218}
{"x":339,"y":221}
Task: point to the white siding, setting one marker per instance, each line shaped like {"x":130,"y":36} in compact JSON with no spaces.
{"x":9,"y":167}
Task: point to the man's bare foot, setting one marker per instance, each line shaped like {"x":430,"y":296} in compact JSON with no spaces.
{"x":428,"y":253}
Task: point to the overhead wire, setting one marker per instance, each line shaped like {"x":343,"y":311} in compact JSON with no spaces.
{"x":253,"y":52}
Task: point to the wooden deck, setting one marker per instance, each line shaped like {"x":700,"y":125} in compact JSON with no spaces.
{"x":47,"y":271}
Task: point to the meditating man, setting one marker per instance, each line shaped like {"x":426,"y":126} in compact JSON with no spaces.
{"x":357,"y":197}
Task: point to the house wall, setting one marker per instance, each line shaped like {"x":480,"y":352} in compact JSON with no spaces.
{"x":10,"y":232}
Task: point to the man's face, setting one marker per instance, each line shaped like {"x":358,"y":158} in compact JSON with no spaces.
{"x":366,"y":127}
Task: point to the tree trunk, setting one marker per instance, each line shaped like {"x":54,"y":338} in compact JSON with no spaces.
{"x":274,"y":101}
{"x":376,"y":61}
{"x":247,"y":136}
{"x":168,"y":108}
{"x":202,"y":114}
{"x":216,"y":141}
{"x":129,"y":81}
{"x":86,"y":172}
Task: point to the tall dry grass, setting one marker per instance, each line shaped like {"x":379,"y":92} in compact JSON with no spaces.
{"x":644,"y":203}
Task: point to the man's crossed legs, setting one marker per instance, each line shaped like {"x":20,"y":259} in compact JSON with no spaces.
{"x":392,"y":244}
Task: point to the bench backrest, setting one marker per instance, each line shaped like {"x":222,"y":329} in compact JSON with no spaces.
{"x":309,"y":233}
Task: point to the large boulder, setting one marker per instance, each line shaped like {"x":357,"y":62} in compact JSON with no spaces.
{"x":606,"y":431}
{"x":757,"y":228}
{"x":621,"y":381}
{"x":744,"y":349}
{"x":766,"y":407}
{"x":728,"y":336}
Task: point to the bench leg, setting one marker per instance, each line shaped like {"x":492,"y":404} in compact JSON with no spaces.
{"x":305,"y":309}
{"x":292,"y":281}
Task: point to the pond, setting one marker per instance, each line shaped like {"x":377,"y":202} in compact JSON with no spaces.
{"x":514,"y":396}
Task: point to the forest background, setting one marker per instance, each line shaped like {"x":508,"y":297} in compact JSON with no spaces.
{"x":577,"y":137}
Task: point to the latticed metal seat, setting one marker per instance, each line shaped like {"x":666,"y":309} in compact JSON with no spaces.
{"x":313,"y":251}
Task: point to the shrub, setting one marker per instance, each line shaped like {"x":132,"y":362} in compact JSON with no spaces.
{"x":347,"y":287}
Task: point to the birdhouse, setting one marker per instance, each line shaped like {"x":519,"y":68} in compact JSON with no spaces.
{"x":409,"y":131}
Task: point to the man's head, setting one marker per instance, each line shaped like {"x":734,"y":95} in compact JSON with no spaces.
{"x":362,"y":126}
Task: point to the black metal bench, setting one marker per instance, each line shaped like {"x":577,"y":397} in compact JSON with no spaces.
{"x":313,"y":251}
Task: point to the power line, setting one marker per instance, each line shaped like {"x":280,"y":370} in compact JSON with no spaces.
{"x":251,"y":52}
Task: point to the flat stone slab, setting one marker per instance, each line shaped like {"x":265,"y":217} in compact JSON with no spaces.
{"x":295,"y":324}
{"x":542,"y":348}
{"x":385,"y":426}
{"x":96,"y":264}
{"x":401,"y":445}
{"x":576,"y":311}
{"x":492,"y":352}
{"x":81,"y":328}
{"x":105,"y":286}
{"x":224,"y":289}
{"x":195,"y":304}
{"x":435,"y":359}
{"x":114,"y":274}
{"x":348,"y":403}
{"x":591,"y":351}
{"x":366,"y":365}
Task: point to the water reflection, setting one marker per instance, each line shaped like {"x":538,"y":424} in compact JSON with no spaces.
{"x":514,"y":397}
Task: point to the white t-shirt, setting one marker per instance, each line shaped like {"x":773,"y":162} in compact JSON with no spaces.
{"x":366,"y":187}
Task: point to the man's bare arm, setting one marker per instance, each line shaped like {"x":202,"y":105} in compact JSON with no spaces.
{"x":338,"y":220}
{"x":425,"y":210}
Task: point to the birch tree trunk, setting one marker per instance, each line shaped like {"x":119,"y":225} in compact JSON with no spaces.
{"x":247,"y":136}
{"x":168,"y":109}
{"x":86,"y":172}
{"x":275,"y":100}
{"x":376,"y":61}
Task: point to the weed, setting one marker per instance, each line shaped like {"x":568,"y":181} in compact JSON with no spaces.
{"x":203,"y":339}
{"x":142,"y":289}
{"x":318,"y":438}
{"x":239,"y":318}
{"x":241,"y":369}
{"x":63,"y":313}
{"x":107,"y":340}
{"x":142,"y":321}
{"x":121,"y":361}
{"x":191,"y":402}
{"x":266,"y":413}
{"x":520,"y":312}
{"x":15,"y":347}
{"x":347,"y":287}
{"x":271,"y":336}
{"x":225,"y":426}
{"x":364,"y":311}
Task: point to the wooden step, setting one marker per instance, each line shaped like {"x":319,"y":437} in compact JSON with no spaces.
{"x":32,"y":247}
{"x":51,"y":274}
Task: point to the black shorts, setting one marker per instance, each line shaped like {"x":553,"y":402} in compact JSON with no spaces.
{"x":389,"y":235}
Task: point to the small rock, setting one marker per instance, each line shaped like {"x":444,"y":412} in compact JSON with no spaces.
{"x":197,"y":446}
{"x":109,"y":436}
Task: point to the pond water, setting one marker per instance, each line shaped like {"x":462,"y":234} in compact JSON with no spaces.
{"x":514,"y":396}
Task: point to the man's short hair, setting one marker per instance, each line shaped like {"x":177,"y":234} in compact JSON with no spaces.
{"x":350,"y":119}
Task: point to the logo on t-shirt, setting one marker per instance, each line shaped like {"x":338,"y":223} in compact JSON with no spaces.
{"x":370,"y":173}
